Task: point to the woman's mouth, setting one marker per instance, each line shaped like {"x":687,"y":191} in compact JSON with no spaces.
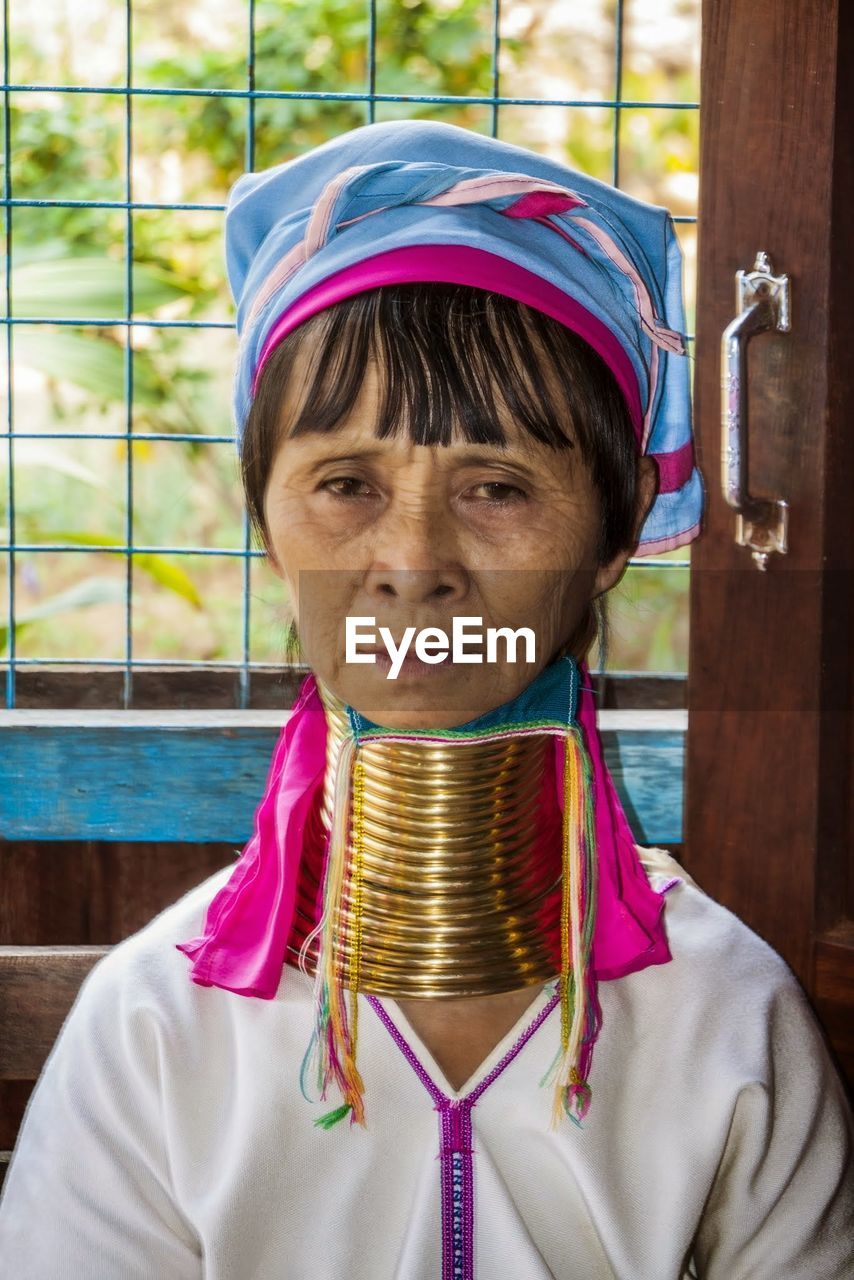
{"x":412,"y":667}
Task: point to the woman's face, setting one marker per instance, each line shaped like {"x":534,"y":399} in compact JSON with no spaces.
{"x":412,"y":536}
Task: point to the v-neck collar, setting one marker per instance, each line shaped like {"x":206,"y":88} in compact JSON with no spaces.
{"x":454,"y":1107}
{"x":521,"y":1030}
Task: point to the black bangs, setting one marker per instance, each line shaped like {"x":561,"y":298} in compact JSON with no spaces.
{"x":444,"y":355}
{"x":452,"y":361}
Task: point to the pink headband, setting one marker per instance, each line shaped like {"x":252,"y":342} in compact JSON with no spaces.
{"x":461,"y":264}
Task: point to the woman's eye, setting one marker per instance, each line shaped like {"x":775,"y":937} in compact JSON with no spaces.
{"x":347,"y":483}
{"x":506,"y":493}
{"x":499,"y":493}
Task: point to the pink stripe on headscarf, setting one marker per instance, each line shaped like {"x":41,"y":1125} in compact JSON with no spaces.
{"x":539,"y":198}
{"x":659,"y":334}
{"x":675,"y":468}
{"x":538,"y":204}
{"x":462,"y":264}
{"x":493,"y":187}
{"x":657,"y":546}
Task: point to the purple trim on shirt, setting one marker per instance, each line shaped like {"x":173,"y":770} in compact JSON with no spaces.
{"x":456,"y":1174}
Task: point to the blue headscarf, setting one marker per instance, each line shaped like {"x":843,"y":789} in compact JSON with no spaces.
{"x":359,"y":210}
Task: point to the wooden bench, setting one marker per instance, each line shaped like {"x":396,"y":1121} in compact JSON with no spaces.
{"x":37,"y":988}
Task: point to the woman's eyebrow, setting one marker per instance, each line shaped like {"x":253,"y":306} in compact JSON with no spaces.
{"x":479,"y":456}
{"x":354,"y":455}
{"x":475,"y":456}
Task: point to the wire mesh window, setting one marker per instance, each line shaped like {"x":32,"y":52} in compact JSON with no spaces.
{"x":124,"y":543}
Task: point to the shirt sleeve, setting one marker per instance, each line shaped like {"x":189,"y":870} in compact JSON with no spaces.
{"x":782,"y":1203}
{"x":88,"y":1193}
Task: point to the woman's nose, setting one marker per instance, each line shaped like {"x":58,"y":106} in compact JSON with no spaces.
{"x":416,"y":560}
{"x":418,"y":586}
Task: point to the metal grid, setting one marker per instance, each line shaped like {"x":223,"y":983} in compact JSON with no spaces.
{"x":250,"y":95}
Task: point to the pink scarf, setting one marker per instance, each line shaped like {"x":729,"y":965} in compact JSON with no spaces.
{"x":247,"y":925}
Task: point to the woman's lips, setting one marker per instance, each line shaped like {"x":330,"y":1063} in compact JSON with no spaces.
{"x":412,"y":667}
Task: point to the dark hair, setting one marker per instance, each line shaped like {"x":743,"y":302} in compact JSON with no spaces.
{"x":442,"y":351}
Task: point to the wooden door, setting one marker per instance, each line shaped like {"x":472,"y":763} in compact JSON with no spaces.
{"x":768,"y":818}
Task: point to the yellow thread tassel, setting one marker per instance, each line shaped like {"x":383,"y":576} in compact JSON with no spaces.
{"x":338,"y":1038}
{"x":572,"y":987}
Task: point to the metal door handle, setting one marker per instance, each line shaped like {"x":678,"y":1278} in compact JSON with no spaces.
{"x":762,"y":302}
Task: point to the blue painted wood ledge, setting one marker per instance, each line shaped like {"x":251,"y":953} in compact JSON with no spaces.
{"x":198,"y":775}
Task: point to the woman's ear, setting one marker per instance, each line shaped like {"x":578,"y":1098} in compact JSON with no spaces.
{"x":609,"y":574}
{"x":269,"y":553}
{"x":647,"y":491}
{"x":272,"y":561}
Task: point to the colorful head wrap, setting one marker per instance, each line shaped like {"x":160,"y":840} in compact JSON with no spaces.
{"x":422,"y":200}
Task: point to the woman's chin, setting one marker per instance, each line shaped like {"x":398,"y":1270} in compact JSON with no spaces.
{"x":420,"y":695}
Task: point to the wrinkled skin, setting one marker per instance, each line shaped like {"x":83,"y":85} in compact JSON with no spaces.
{"x":412,"y":535}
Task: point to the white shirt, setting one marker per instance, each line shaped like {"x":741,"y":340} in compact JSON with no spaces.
{"x":167,"y":1138}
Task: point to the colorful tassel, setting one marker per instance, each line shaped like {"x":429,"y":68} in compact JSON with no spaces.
{"x":578,"y":1005}
{"x":333,"y":1044}
{"x":332,"y":1117}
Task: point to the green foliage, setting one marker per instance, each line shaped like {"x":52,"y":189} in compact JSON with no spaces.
{"x":163,"y":571}
{"x":94,"y":363}
{"x":94,"y":288}
{"x":648,"y":616}
{"x":82,"y":595}
{"x":64,"y":287}
{"x":70,"y":262}
{"x":38,"y":455}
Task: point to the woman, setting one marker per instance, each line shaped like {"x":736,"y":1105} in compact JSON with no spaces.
{"x":444,"y":1018}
